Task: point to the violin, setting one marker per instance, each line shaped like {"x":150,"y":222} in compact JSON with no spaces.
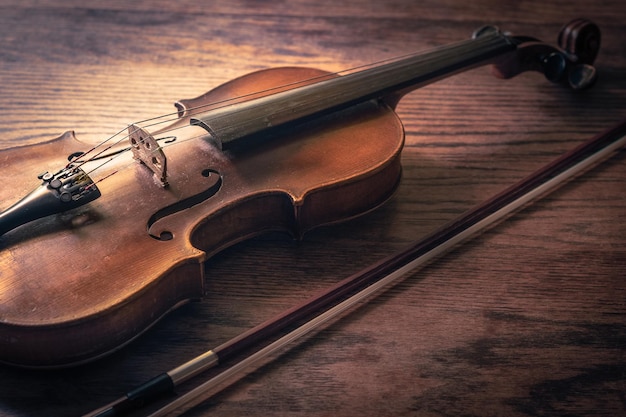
{"x":97,"y":243}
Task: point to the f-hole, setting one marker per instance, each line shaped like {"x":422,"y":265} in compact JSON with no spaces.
{"x":214,"y":183}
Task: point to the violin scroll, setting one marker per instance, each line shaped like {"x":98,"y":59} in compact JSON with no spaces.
{"x":570,"y":63}
{"x":581,"y":38}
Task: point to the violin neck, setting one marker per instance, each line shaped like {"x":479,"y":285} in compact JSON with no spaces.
{"x":272,"y":113}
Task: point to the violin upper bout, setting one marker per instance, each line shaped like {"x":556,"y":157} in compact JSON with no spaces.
{"x":328,"y":171}
{"x":325,"y":170}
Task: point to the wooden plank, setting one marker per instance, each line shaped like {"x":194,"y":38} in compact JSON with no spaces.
{"x":528,"y":319}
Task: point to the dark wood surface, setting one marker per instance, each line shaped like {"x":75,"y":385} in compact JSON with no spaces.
{"x":526,"y":320}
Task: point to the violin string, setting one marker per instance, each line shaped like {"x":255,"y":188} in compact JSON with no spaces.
{"x":95,"y":183}
{"x":228,"y":101}
{"x":173,"y":116}
{"x":132,"y":163}
{"x":94,"y":157}
{"x":117,"y":155}
{"x":219,"y":104}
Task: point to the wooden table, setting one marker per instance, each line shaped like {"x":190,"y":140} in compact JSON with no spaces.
{"x":527,"y":319}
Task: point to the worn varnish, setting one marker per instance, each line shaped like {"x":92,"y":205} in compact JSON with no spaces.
{"x":528,"y":319}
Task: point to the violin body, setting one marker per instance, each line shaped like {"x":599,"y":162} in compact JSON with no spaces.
{"x":77,"y":285}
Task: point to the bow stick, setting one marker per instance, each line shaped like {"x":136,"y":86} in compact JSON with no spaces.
{"x":318,"y":310}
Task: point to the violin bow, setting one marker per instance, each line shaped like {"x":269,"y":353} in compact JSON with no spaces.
{"x":295,"y":323}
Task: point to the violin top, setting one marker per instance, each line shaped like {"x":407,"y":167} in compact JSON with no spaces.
{"x":105,"y":269}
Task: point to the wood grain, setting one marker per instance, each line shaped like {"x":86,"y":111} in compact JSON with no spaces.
{"x":527,"y":319}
